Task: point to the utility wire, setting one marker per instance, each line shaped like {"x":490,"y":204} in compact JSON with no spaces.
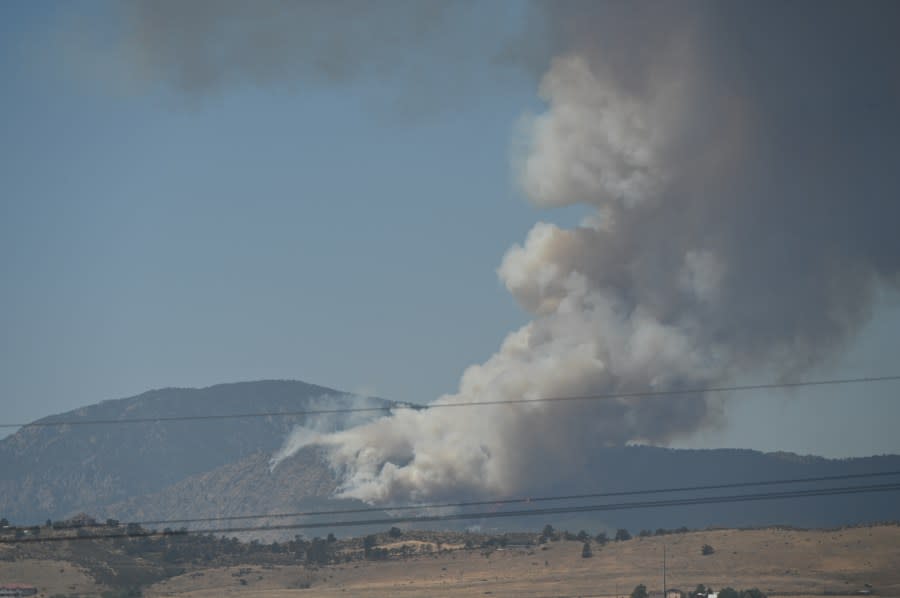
{"x":397,"y":406}
{"x":835,"y":491}
{"x":521,"y":500}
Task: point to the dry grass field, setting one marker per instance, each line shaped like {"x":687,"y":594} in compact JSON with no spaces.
{"x":778,"y":561}
{"x":50,"y":577}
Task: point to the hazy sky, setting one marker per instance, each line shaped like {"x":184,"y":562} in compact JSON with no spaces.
{"x":336,"y":231}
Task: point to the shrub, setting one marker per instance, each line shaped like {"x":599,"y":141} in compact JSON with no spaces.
{"x":639,"y":591}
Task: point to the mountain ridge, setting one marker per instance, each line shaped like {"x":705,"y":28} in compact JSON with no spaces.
{"x":51,"y":471}
{"x":220,"y":467}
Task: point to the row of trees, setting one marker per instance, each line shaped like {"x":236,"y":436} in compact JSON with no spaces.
{"x":621,"y":535}
{"x":78,"y":521}
{"x":548,"y":534}
{"x":701,"y":591}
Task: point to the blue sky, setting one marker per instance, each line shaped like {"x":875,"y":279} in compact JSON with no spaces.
{"x":314,"y":232}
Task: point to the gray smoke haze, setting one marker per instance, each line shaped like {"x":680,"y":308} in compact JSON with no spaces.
{"x":741,"y":161}
{"x":426,"y":54}
{"x":207,"y":44}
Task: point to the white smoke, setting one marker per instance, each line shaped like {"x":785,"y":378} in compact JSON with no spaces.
{"x":336,"y":412}
{"x":711,"y":253}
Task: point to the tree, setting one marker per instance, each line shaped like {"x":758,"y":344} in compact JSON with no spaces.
{"x":4,"y":522}
{"x":368,"y":544}
{"x":586,"y":551}
{"x":331,"y":539}
{"x":583,"y":536}
{"x":645,"y":533}
{"x":622,"y":535}
{"x":548,"y":531}
{"x":318,"y":552}
{"x":639,"y":591}
{"x":601,"y":538}
{"x":395,"y":532}
{"x":707,"y":550}
{"x":729,"y":593}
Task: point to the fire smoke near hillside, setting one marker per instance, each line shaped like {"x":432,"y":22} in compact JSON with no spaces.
{"x":741,"y":164}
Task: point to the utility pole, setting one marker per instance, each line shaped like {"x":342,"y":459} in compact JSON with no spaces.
{"x":664,"y":571}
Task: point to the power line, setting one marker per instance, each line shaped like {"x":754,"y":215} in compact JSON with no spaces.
{"x":396,"y":406}
{"x":521,"y":500}
{"x":836,"y":491}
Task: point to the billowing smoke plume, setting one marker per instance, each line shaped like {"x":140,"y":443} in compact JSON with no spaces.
{"x":741,"y":163}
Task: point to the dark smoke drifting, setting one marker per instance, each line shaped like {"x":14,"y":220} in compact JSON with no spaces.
{"x":742,"y":163}
{"x":202,"y":47}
